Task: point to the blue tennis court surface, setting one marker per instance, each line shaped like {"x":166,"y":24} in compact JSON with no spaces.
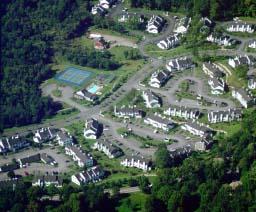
{"x":73,"y":76}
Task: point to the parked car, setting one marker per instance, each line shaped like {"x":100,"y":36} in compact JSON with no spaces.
{"x":167,"y":139}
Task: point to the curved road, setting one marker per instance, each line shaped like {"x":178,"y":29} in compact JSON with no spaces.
{"x":201,"y":90}
{"x":131,"y":83}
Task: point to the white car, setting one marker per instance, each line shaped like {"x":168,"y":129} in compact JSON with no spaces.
{"x":167,"y":139}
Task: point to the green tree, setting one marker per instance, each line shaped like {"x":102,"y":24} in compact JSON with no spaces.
{"x":164,"y":193}
{"x":74,"y":202}
{"x":18,"y":207}
{"x":175,"y":202}
{"x":33,"y":206}
{"x":65,"y":192}
{"x":34,"y":193}
{"x":144,"y":184}
{"x":115,"y":191}
{"x":241,"y":71}
{"x":11,"y":174}
{"x":162,"y":157}
{"x":149,"y":205}
{"x":132,"y":182}
{"x":214,"y":7}
{"x":52,"y":190}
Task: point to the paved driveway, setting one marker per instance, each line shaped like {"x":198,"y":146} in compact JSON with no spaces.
{"x":201,"y":89}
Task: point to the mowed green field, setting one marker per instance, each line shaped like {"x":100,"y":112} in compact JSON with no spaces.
{"x":132,"y":202}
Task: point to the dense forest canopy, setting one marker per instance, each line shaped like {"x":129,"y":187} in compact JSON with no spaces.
{"x":216,"y":9}
{"x":221,"y":180}
{"x":31,"y":32}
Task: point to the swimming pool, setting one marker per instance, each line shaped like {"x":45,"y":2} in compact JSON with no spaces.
{"x":93,"y":89}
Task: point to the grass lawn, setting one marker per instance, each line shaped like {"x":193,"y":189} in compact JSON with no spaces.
{"x":199,"y":72}
{"x":153,"y":50}
{"x":113,"y":168}
{"x":184,"y":86}
{"x":251,"y":50}
{"x":131,"y":98}
{"x":248,"y":19}
{"x":185,"y":95}
{"x":233,"y":80}
{"x":203,"y":118}
{"x":242,"y":34}
{"x":65,"y":113}
{"x":230,"y":128}
{"x":62,"y":114}
{"x":132,"y":202}
{"x":76,"y":129}
{"x":57,"y":92}
{"x":118,"y":52}
{"x":84,"y":42}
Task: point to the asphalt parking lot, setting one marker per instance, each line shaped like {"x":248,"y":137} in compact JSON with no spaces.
{"x":38,"y":168}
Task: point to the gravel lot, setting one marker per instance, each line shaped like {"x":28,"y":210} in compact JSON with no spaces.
{"x":119,"y":41}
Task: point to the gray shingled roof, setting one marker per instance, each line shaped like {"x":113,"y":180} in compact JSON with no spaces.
{"x":14,"y":140}
{"x":159,"y":119}
{"x":93,"y":124}
{"x":251,"y":41}
{"x":151,"y":95}
{"x":129,"y":110}
{"x":112,"y":148}
{"x":216,"y":82}
{"x":195,"y":125}
{"x":31,"y":159}
{"x":137,"y":157}
{"x":47,"y":158}
{"x":80,"y":153}
{"x":9,"y":167}
{"x":236,"y":112}
{"x":63,"y":135}
{"x":88,"y":94}
{"x":244,"y":94}
{"x":216,"y":72}
{"x":49,"y":178}
{"x":184,"y":109}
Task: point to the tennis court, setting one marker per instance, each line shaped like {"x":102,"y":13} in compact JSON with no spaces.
{"x":74,"y":76}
